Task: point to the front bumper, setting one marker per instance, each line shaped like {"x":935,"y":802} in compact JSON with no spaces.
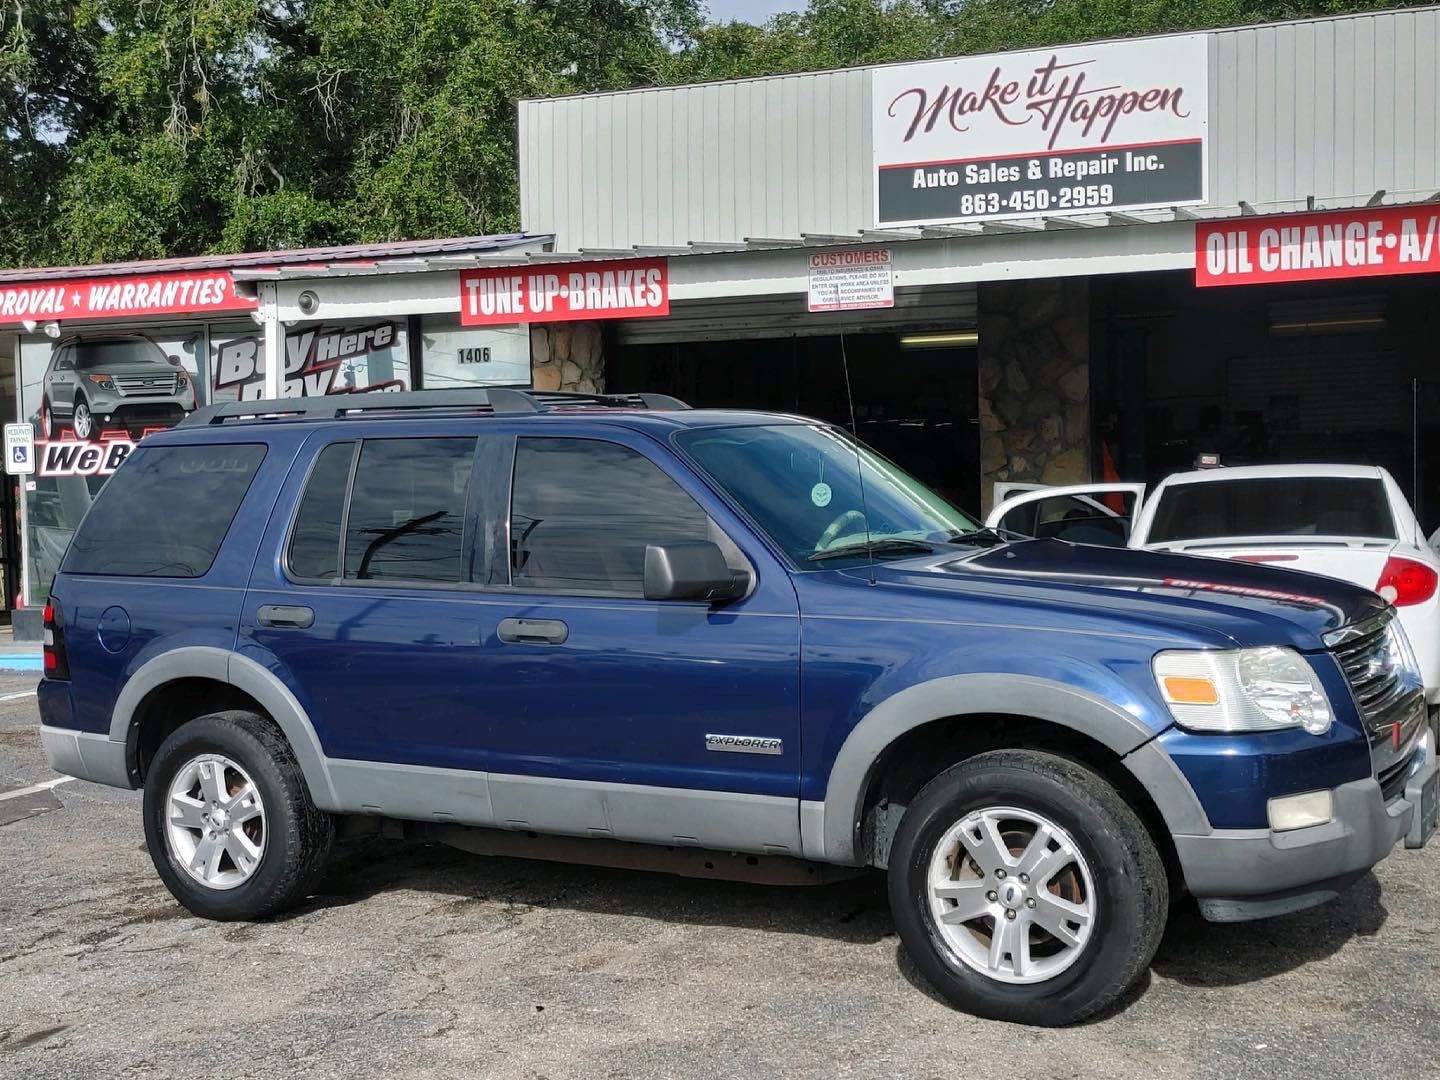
{"x":1239,"y":874}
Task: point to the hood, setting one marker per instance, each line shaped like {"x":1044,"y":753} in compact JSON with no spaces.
{"x":1247,"y":604}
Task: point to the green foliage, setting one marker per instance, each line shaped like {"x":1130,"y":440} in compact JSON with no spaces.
{"x":144,"y":128}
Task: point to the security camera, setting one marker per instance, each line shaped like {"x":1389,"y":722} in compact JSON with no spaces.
{"x":308,"y":302}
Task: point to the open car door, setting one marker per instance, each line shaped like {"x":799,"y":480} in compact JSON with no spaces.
{"x":1079,"y":513}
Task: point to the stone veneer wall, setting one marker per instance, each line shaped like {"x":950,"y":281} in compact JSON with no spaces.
{"x":567,"y":356}
{"x":1034,"y":382}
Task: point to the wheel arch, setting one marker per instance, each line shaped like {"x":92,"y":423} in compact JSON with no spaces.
{"x":212,"y":679}
{"x":982,"y":712}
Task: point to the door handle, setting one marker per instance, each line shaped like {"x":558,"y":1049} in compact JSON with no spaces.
{"x":281,"y":615}
{"x":533,"y":631}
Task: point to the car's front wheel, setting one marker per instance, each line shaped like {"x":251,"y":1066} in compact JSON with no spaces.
{"x":82,"y":420}
{"x":229,"y":821}
{"x":1025,"y":888}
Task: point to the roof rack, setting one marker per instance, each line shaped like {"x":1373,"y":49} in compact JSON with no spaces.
{"x":496,"y":400}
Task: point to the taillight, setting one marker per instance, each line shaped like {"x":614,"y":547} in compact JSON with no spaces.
{"x":57,"y":664}
{"x":1404,"y":582}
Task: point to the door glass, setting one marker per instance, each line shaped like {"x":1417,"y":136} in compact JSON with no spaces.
{"x":315,"y":541}
{"x":1102,"y":519}
{"x":583,"y":512}
{"x":407,"y":510}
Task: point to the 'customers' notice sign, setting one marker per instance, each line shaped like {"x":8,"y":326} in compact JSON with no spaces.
{"x":851,"y":280}
{"x":1055,"y":132}
{"x":559,"y":292}
{"x":1372,"y":242}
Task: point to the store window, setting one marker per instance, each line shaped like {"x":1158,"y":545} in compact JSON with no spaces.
{"x":583,"y":512}
{"x":407,"y":510}
{"x":453,"y":356}
{"x":320,"y":358}
{"x":91,"y":395}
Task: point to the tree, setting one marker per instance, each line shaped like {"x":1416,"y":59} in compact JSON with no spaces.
{"x":145,"y":128}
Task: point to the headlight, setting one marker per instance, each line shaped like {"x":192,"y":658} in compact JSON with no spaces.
{"x":1264,"y":689}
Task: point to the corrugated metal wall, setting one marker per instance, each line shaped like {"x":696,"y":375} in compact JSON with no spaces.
{"x":724,"y":161}
{"x":1331,"y":108}
{"x":1328,"y":108}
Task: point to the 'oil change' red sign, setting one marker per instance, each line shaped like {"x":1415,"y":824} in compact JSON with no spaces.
{"x":1311,"y":247}
{"x":622,"y":289}
{"x":121,"y":297}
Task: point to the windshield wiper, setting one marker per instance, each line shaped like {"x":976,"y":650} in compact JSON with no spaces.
{"x":892,"y":546}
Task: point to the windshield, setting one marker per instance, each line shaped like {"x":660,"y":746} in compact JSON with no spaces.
{"x":802,"y":486}
{"x":116,"y":352}
{"x":1273,"y":506}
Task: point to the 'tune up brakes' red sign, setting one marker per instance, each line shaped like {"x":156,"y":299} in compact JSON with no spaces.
{"x":1312,"y":247}
{"x":557,"y":292}
{"x":186,"y":293}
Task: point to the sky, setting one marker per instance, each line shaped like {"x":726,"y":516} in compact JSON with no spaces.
{"x":755,"y":11}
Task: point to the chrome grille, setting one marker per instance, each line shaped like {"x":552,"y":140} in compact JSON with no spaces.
{"x":1372,"y":667}
{"x":1387,"y":692}
{"x":146,"y":385}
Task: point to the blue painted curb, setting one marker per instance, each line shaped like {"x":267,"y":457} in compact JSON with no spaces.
{"x":22,"y":662}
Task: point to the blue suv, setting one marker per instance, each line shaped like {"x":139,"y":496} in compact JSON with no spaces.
{"x":573,"y":626}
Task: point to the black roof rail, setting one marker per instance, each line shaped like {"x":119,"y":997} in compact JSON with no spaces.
{"x":499,"y":400}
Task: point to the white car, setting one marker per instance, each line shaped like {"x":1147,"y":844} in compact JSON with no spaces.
{"x":1344,"y":521}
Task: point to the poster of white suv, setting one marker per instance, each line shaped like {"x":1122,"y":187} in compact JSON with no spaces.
{"x":1343,"y":521}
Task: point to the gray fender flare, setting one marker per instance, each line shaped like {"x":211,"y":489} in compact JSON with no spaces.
{"x":207,"y":662}
{"x":839,"y":823}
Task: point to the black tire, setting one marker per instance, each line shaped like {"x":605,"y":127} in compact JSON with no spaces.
{"x":49,"y":426}
{"x":298,"y":835}
{"x":1131,"y":890}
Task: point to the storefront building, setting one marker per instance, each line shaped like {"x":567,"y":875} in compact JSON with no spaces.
{"x":1083,"y":263}
{"x":93,"y":358}
{"x":1087,"y":262}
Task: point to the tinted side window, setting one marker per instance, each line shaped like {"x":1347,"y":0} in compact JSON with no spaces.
{"x":315,"y":541}
{"x":134,"y":528}
{"x":407,"y":510}
{"x":583,"y":511}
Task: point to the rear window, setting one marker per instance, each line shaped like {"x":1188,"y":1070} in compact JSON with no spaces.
{"x":165,"y":512}
{"x":1280,"y":506}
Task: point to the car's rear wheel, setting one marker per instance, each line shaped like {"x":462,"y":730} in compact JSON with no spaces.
{"x":1025,"y":888}
{"x":229,"y":821}
{"x":82,"y":420}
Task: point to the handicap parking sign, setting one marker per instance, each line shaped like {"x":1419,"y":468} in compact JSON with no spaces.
{"x":19,"y":449}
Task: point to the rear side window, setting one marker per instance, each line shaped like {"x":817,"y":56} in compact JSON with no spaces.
{"x":135,"y":529}
{"x":1280,"y":506}
{"x":407,"y":511}
{"x":315,"y":540}
{"x":583,"y":511}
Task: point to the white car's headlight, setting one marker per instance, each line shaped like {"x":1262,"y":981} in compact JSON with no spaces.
{"x":1264,"y":689}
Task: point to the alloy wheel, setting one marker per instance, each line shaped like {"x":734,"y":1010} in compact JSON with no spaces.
{"x":81,"y":422}
{"x":1012,"y":895}
{"x":215,"y":822}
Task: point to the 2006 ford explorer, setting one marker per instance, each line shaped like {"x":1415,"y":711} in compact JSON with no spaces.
{"x":739,"y":636}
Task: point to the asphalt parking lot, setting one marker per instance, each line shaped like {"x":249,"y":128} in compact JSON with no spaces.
{"x":420,"y":961}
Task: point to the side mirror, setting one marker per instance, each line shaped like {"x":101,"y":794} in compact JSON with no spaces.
{"x":690,"y":570}
{"x":173,"y":359}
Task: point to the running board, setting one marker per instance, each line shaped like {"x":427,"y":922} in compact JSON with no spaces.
{"x":692,"y":862}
